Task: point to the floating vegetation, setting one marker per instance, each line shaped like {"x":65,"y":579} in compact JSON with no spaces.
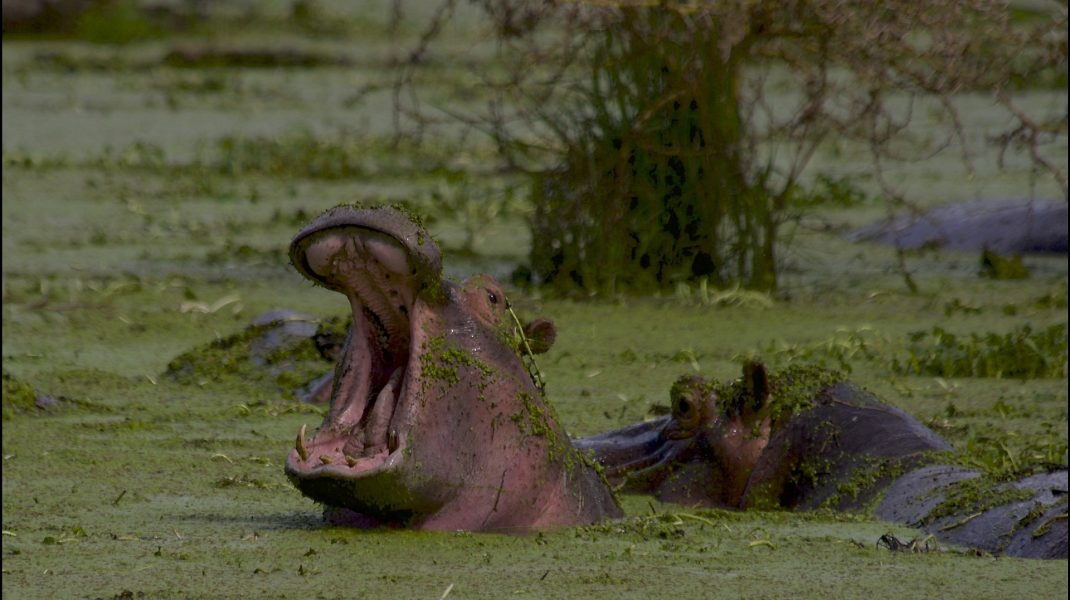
{"x":956,"y":305}
{"x":18,"y":396}
{"x":242,"y":480}
{"x":211,"y":56}
{"x":995,"y":266}
{"x":971,"y":497}
{"x":702,"y":294}
{"x":1004,"y":455}
{"x":474,"y":203}
{"x":298,"y":154}
{"x":1021,"y":353}
{"x":838,"y":351}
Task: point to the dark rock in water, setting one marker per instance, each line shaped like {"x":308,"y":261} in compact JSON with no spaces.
{"x":317,"y":391}
{"x":280,"y":329}
{"x":1004,"y":226}
{"x":45,"y":402}
{"x":280,"y":348}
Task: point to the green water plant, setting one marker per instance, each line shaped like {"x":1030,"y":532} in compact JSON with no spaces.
{"x":18,"y":396}
{"x":1020,"y":353}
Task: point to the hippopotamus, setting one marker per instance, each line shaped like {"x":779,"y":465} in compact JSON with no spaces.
{"x":1007,"y":226}
{"x":806,"y":439}
{"x":434,"y":421}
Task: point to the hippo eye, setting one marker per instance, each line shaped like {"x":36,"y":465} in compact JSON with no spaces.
{"x":492,"y":296}
{"x":685,"y":412}
{"x":683,"y":406}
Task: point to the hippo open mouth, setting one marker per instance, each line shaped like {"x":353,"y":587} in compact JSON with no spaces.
{"x":381,"y":267}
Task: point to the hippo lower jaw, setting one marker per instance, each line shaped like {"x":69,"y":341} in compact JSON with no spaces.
{"x":638,"y":451}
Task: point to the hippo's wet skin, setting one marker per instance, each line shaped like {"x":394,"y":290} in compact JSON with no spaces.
{"x":803,"y":440}
{"x":434,"y":422}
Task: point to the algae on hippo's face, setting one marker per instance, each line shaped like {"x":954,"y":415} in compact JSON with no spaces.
{"x":441,"y":361}
{"x":790,"y":391}
{"x":442,"y":364}
{"x":536,"y":419}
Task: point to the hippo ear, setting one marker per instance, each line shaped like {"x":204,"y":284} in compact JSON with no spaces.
{"x":541,"y":334}
{"x":756,"y":381}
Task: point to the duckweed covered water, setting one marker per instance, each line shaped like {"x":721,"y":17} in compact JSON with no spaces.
{"x":136,"y":483}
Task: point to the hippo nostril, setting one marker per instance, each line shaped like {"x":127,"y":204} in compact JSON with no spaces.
{"x":392,"y":440}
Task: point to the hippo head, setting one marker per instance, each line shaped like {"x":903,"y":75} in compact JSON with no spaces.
{"x":772,"y":442}
{"x":700,"y":454}
{"x":434,"y":421}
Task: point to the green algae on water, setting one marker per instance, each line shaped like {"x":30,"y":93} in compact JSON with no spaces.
{"x":18,"y":397}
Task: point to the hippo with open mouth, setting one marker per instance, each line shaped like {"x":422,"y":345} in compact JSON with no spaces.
{"x":434,"y":422}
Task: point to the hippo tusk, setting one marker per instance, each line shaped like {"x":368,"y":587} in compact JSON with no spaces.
{"x":375,"y":429}
{"x":302,"y":450}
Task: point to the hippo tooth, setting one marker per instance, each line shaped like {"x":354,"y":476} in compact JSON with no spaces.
{"x":325,"y":459}
{"x":350,"y":460}
{"x":392,"y":440}
{"x":378,"y":420}
{"x":302,"y":450}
